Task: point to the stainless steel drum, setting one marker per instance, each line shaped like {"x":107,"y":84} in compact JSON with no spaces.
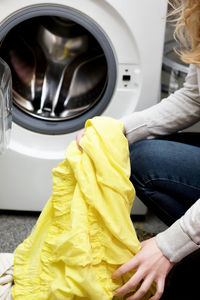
{"x":59,"y":69}
{"x":174,"y":70}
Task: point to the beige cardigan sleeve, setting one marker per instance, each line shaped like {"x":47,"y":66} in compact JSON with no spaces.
{"x":180,"y":110}
{"x":182,"y":237}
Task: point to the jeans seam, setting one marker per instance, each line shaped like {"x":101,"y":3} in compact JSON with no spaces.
{"x":174,"y":181}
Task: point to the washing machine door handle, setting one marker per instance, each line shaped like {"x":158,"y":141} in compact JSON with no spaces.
{"x":5,"y":105}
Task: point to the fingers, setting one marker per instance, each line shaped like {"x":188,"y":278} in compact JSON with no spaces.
{"x":78,"y":138}
{"x":152,"y":266}
{"x":159,"y":289}
{"x":125,"y":268}
{"x":140,"y":275}
{"x":145,"y":286}
{"x":129,"y":285}
{"x":143,"y":289}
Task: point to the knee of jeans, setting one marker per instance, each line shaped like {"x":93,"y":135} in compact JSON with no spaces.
{"x":146,"y":158}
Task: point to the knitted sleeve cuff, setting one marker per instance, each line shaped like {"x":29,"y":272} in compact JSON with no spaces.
{"x":135,"y":127}
{"x":174,"y":243}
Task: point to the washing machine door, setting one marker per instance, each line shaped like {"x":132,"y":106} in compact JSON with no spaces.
{"x":5,"y":105}
{"x":63,"y":71}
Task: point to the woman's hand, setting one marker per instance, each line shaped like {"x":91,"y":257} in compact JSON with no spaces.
{"x":152,"y":266}
{"x":79,"y":136}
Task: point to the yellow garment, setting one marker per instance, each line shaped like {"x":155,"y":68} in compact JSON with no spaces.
{"x":84,"y":232}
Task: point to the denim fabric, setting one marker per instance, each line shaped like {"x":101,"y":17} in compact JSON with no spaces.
{"x":166,"y":173}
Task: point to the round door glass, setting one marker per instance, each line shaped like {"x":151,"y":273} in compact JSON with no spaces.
{"x":5,"y":105}
{"x":59,"y":69}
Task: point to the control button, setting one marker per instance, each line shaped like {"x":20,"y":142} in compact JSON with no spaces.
{"x":126,"y":78}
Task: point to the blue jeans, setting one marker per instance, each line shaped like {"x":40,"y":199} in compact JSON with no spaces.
{"x":166,"y":173}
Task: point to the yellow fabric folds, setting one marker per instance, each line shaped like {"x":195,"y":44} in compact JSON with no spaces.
{"x":84,"y":232}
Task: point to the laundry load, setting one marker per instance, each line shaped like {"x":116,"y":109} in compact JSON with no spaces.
{"x":84,"y":232}
{"x":6,"y":275}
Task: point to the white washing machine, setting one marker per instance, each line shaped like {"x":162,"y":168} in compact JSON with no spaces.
{"x":72,"y":60}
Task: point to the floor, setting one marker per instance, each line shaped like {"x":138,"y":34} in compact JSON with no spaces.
{"x":14,"y":228}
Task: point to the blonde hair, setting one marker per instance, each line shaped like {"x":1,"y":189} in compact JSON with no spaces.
{"x":186,"y":14}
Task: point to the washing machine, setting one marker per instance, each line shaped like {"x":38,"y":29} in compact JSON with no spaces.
{"x":70,"y":61}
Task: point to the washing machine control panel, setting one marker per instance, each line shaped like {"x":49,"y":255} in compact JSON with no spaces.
{"x":129,"y":76}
